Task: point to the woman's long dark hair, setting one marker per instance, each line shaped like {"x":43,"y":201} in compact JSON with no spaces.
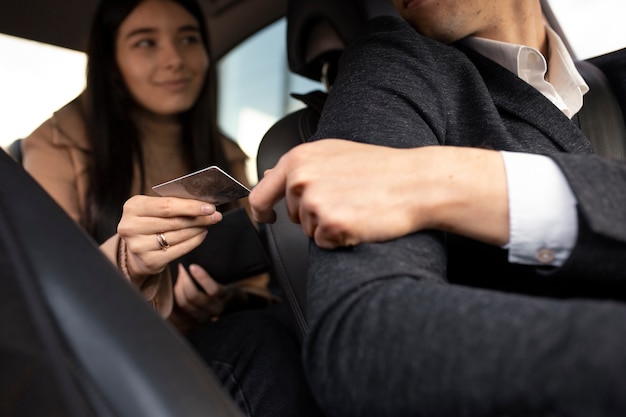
{"x":115,"y":139}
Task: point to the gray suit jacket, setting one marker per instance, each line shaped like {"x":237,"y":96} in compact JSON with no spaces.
{"x":438,"y":325}
{"x":418,"y":92}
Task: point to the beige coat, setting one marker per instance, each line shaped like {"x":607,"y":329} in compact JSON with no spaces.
{"x":56,"y":155}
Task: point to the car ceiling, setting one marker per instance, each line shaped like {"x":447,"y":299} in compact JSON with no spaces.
{"x":66,"y":23}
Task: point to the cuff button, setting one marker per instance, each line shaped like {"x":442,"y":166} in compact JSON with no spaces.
{"x":545,"y":256}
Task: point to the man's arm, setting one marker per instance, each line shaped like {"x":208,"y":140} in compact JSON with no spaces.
{"x":599,"y":185}
{"x":394,"y":192}
{"x":381,"y":311}
{"x":542,"y":210}
{"x":388,"y":194}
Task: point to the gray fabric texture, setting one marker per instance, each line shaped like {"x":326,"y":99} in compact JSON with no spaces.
{"x":437,"y":325}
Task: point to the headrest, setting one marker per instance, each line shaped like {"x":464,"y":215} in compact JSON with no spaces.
{"x":319,"y":30}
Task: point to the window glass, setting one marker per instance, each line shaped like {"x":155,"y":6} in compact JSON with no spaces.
{"x":35,"y":80}
{"x":254,"y":89}
{"x":592,"y":27}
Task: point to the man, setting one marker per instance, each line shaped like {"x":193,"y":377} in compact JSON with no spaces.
{"x":445,"y":297}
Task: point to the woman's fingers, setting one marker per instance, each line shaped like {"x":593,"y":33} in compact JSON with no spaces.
{"x":148,"y":206}
{"x":184,"y":295}
{"x":166,"y":241}
{"x":205,"y":281}
{"x":158,"y":230}
{"x":202,"y":299}
{"x":148,"y":215}
{"x":147,"y":257}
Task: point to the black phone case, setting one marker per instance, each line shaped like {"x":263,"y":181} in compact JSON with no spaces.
{"x":232,"y":250}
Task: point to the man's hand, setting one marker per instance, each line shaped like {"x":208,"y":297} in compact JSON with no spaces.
{"x":341,"y":192}
{"x":345,"y":193}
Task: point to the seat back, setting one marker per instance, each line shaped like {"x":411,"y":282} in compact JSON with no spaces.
{"x":601,"y":118}
{"x":317,"y":33}
{"x":15,"y":150}
{"x":613,"y":65}
{"x":77,"y":339}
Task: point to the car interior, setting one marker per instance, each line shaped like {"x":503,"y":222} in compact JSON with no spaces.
{"x":68,"y":349}
{"x":317,"y":32}
{"x":315,"y":41}
{"x":66,"y":23}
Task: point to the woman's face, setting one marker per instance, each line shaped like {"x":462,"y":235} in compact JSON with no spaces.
{"x":160,"y":54}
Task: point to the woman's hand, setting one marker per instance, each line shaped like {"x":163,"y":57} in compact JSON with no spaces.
{"x":206,"y":300}
{"x":203,"y":299}
{"x":158,"y":230}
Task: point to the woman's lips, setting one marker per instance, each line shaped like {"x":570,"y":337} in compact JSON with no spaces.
{"x":411,"y":4}
{"x":174,"y":84}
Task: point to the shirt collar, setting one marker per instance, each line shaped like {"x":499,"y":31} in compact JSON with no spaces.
{"x":560,"y":82}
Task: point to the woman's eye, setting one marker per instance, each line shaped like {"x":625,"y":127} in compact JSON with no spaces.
{"x":191,"y":39}
{"x":145,"y":43}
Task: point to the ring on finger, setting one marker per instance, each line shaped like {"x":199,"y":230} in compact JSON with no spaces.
{"x":162,"y":241}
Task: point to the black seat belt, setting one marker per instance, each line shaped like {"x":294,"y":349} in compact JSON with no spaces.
{"x":601,"y":118}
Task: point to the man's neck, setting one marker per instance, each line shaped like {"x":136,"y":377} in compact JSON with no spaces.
{"x":523,"y":25}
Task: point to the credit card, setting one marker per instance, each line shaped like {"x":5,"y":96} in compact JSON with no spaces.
{"x":210,"y":184}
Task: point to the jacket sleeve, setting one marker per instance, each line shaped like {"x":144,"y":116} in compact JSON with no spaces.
{"x":378,"y":94}
{"x":55,"y":167}
{"x":599,"y":184}
{"x":370,"y":103}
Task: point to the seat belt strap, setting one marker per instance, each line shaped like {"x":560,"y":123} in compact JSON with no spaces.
{"x":601,"y":118}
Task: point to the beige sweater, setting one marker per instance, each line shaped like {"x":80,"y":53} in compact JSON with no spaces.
{"x":56,"y":155}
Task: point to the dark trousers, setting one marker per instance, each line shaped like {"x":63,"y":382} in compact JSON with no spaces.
{"x":257,"y":358}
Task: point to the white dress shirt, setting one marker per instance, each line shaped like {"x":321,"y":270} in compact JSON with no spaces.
{"x":542,"y":207}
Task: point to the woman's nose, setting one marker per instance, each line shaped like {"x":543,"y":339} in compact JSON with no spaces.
{"x":172,"y":56}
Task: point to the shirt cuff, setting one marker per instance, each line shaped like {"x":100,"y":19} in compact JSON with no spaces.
{"x":542,"y":210}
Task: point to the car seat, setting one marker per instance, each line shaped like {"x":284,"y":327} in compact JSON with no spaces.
{"x":602,"y":116}
{"x":317,"y":33}
{"x":77,"y":339}
{"x":15,"y":150}
{"x":612,"y":66}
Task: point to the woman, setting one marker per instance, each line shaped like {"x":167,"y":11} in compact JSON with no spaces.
{"x":147,"y":115}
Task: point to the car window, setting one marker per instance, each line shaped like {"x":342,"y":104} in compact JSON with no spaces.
{"x":35,"y":80}
{"x":255,"y":83}
{"x":592,"y":27}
